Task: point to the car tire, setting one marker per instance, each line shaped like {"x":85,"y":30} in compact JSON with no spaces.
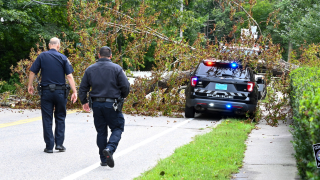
{"x":189,"y":112}
{"x":252,"y":115}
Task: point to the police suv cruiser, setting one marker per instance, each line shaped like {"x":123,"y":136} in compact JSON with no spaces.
{"x":222,"y":86}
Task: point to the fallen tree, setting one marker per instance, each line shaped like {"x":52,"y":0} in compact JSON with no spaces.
{"x":99,"y":25}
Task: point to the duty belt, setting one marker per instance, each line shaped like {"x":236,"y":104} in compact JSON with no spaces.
{"x":57,"y":87}
{"x":53,"y":87}
{"x":99,"y":99}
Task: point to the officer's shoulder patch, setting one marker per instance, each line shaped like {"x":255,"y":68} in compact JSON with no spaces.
{"x":68,"y":61}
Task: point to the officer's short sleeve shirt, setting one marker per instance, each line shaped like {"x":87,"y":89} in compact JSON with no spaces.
{"x":54,"y":66}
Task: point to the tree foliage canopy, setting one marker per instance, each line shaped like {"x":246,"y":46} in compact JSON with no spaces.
{"x":22,"y":22}
{"x":296,"y":21}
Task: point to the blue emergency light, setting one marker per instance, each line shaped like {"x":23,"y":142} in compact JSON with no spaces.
{"x":228,"y":106}
{"x":234,"y":65}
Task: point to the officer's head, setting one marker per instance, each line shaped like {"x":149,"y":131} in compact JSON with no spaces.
{"x":54,"y":43}
{"x":105,"y":52}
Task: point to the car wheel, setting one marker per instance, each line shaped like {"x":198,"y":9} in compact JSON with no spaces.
{"x":252,"y":115}
{"x":189,"y":112}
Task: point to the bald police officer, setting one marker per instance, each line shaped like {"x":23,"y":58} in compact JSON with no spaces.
{"x":108,"y":82}
{"x":54,"y":66}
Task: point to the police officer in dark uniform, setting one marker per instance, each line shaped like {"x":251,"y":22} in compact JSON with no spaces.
{"x":54,"y":91}
{"x":108,"y":83}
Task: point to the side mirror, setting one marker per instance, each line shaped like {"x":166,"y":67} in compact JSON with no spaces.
{"x":260,"y":80}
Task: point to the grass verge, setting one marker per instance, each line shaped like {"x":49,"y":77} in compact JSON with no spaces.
{"x":214,"y":155}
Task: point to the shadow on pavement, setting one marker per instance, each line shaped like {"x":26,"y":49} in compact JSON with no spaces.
{"x":217,"y":116}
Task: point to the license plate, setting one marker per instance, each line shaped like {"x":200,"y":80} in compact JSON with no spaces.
{"x":221,"y":86}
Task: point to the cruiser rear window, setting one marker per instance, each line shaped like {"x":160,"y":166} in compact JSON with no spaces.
{"x":222,"y":72}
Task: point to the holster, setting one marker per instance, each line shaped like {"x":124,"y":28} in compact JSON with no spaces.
{"x":39,"y":89}
{"x":120,"y":102}
{"x":90,"y":102}
{"x":68,"y":88}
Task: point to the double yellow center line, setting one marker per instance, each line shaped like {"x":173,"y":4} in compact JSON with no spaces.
{"x":28,"y":120}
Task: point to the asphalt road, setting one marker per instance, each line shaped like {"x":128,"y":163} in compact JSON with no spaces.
{"x":144,"y":141}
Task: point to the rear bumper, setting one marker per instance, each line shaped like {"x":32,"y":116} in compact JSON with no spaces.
{"x":216,"y":105}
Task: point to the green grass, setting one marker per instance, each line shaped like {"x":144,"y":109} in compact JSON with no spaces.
{"x":214,"y":155}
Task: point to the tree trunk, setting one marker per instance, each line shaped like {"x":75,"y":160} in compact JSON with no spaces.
{"x":289,"y":51}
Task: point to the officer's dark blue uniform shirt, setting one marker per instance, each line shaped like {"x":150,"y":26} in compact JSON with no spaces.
{"x":54,"y":66}
{"x":107,"y":80}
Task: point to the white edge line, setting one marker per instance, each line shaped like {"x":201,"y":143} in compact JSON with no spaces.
{"x":126,"y":151}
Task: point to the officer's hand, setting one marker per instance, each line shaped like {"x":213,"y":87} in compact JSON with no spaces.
{"x":86,"y":107}
{"x":30,"y":89}
{"x":74,"y":97}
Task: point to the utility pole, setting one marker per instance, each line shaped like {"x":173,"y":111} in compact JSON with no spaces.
{"x":181,"y":9}
{"x":119,"y":42}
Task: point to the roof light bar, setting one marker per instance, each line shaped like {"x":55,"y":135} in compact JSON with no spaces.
{"x":209,"y":63}
{"x":234,"y":65}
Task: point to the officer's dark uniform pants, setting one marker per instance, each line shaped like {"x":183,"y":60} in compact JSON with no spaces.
{"x":53,"y":100}
{"x":104,"y":115}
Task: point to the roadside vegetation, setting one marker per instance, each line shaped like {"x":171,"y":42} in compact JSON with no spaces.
{"x":9,"y":86}
{"x":305,"y":98}
{"x":215,"y":155}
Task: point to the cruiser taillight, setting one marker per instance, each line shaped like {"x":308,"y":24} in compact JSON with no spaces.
{"x":250,"y":86}
{"x":194,"y":80}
